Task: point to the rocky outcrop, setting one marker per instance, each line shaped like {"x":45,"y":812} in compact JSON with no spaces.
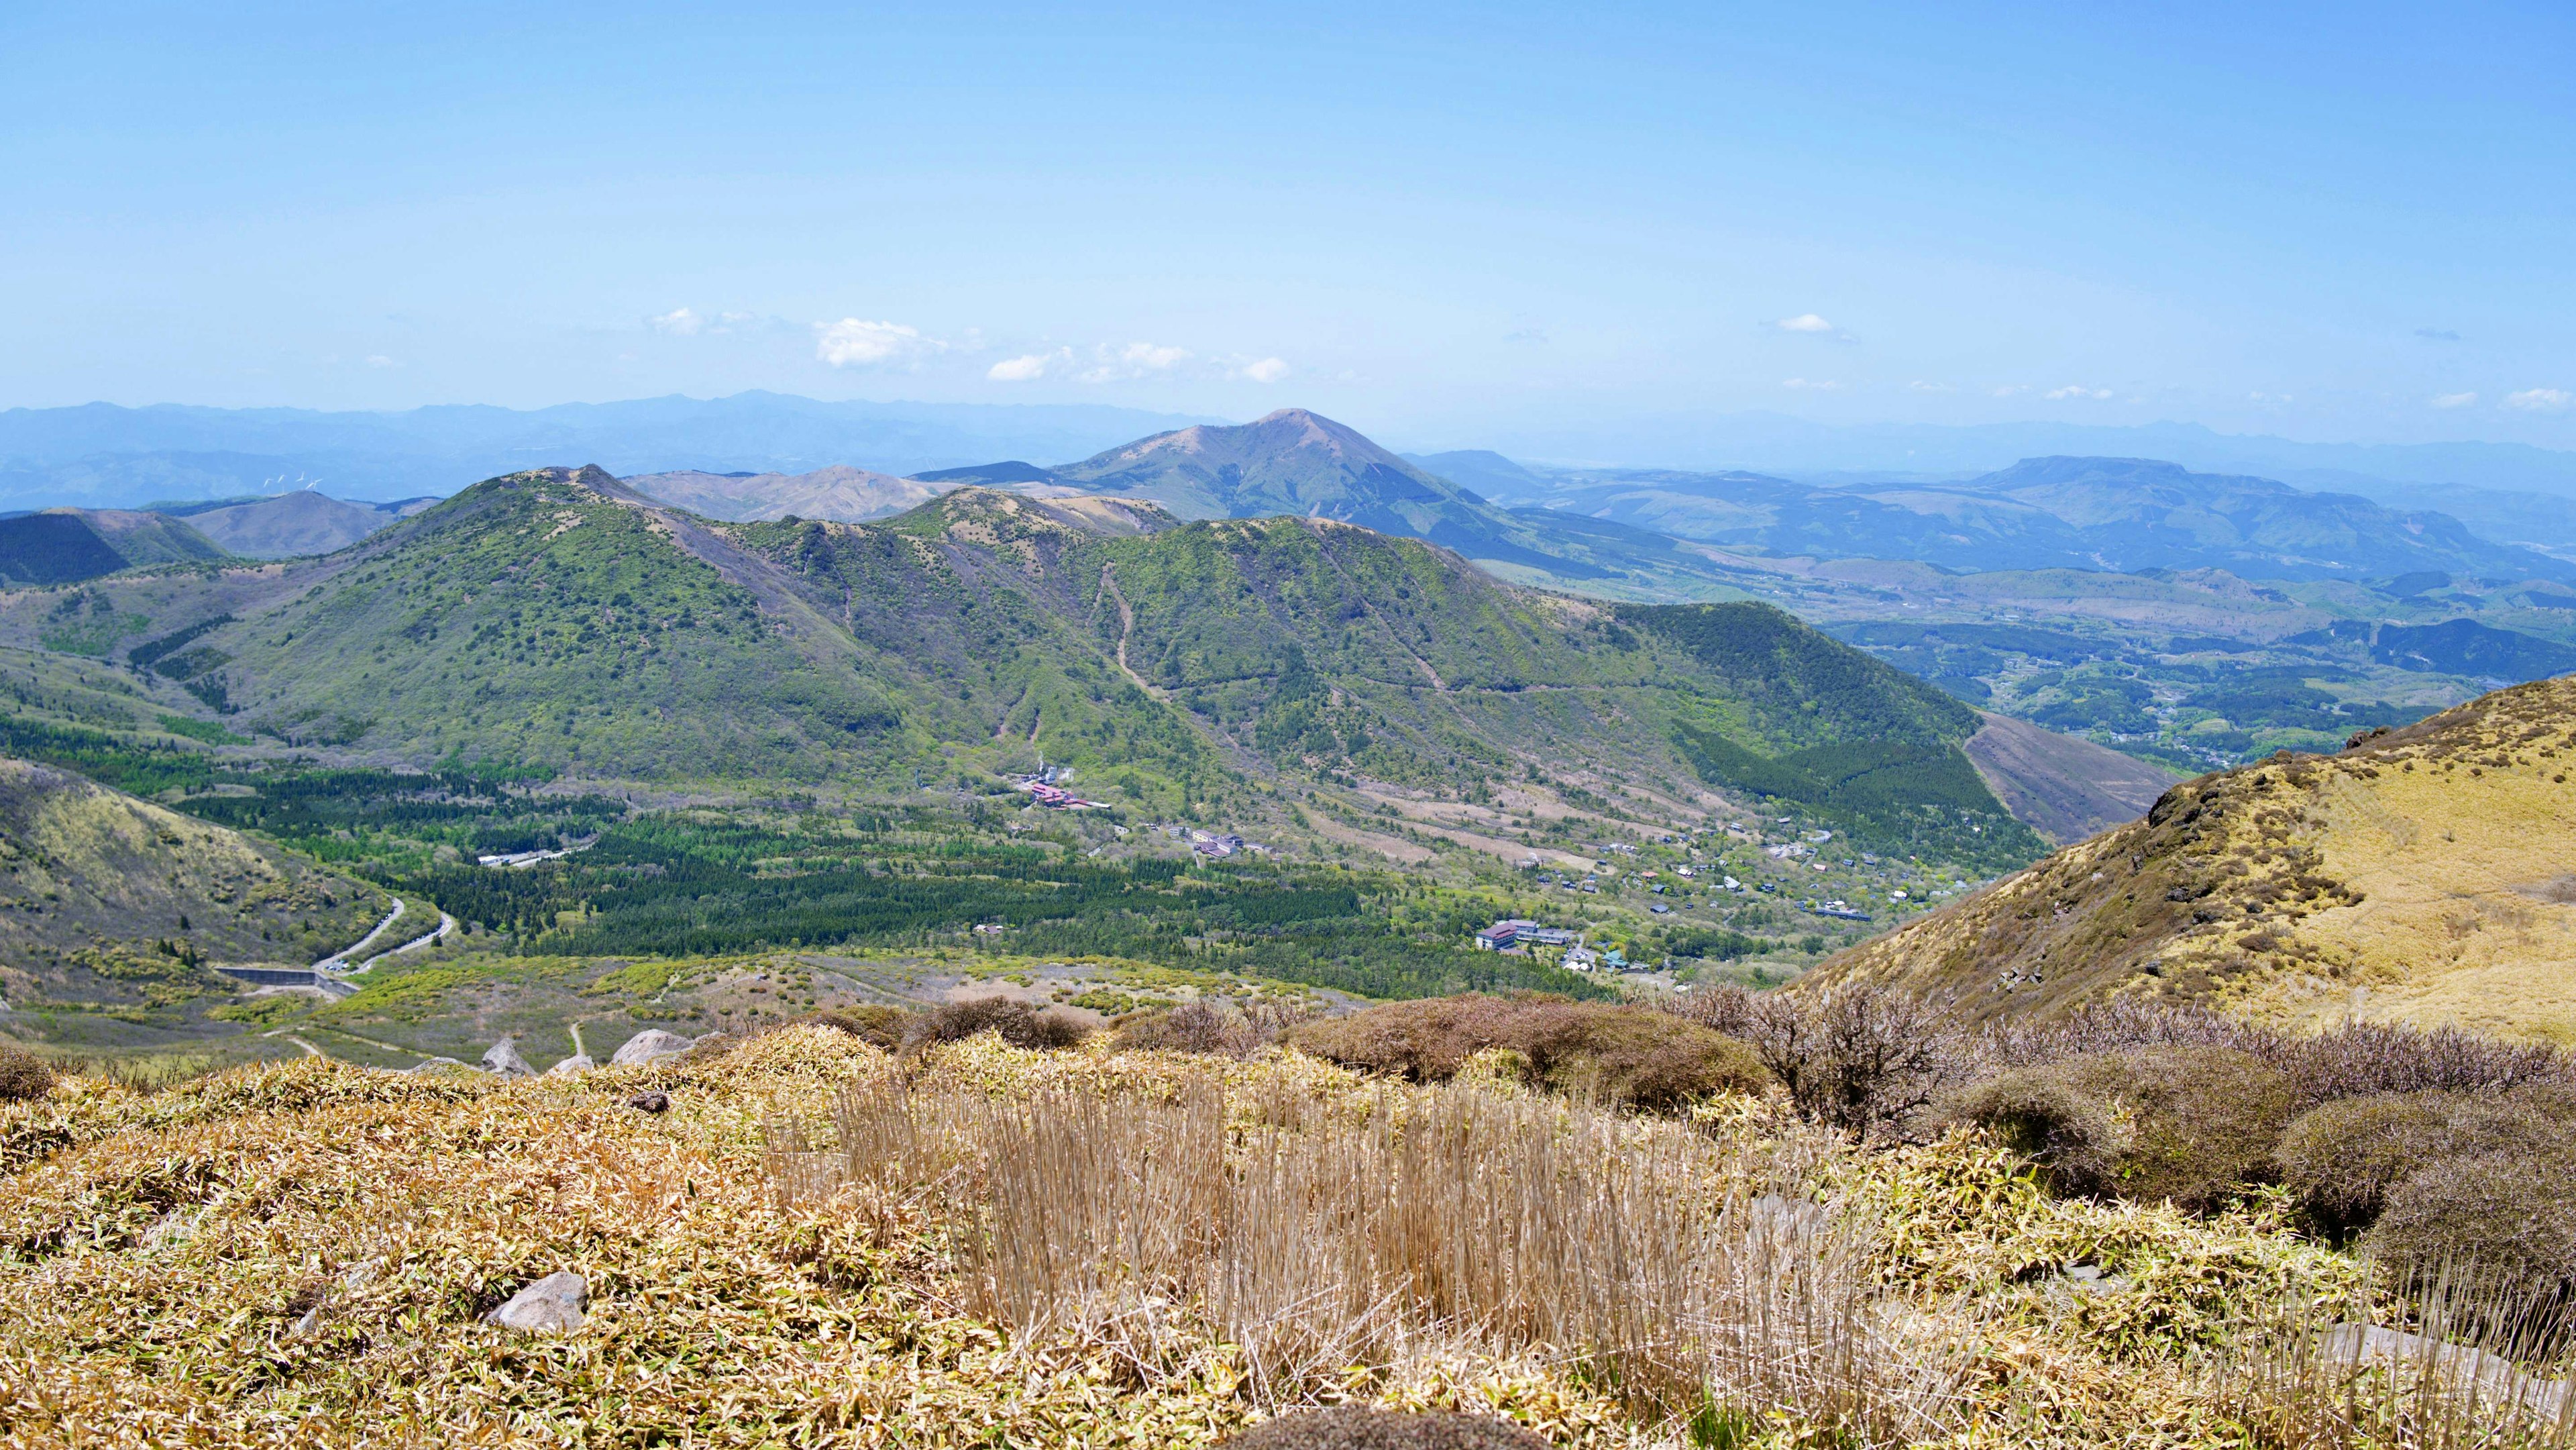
{"x":578,"y":1062}
{"x":504,"y":1060}
{"x":555,"y":1304}
{"x":650,"y":1045}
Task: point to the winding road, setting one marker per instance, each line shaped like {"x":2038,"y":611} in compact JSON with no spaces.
{"x":333,"y":962}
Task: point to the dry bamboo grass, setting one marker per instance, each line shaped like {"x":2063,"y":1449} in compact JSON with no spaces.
{"x":2464,"y":1378}
{"x":1682,"y":1277}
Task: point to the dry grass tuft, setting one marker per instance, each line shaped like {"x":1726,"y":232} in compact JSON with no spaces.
{"x":1443,"y":1223}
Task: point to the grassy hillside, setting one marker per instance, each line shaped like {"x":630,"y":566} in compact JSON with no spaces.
{"x":114,"y":909}
{"x":286,"y":525}
{"x":2419,"y":877}
{"x":63,"y":546}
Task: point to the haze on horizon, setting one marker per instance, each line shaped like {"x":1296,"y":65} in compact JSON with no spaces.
{"x":1453,"y":227}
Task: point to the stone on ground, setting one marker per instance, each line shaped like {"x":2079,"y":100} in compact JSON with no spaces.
{"x":649,"y":1045}
{"x":555,"y":1304}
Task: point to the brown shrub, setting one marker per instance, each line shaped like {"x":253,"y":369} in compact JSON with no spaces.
{"x":1426,"y":1040}
{"x":23,"y":1075}
{"x":2366,"y":1058}
{"x":1018,"y":1024}
{"x":2117,"y":1027}
{"x":1721,"y":1007}
{"x":2344,"y":1157}
{"x":869,"y":1022}
{"x":1357,"y":1427}
{"x":1190,"y":1027}
{"x":2201,"y":1121}
{"x":2503,"y":1221}
{"x":1863,"y":1059}
{"x":1632,"y":1055}
{"x":1614,"y":1053}
{"x":2042,"y":1114}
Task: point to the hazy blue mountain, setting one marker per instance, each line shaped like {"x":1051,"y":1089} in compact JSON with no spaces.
{"x":2120,"y":514}
{"x":1498,"y":478}
{"x":1778,"y":444}
{"x":2466,"y":647}
{"x":99,"y":454}
{"x":289,"y":525}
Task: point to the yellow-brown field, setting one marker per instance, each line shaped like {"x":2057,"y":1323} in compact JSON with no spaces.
{"x":2425,"y":877}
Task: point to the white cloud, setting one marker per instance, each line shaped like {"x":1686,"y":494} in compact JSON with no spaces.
{"x":2076,"y":390}
{"x":678,"y":322}
{"x":379,"y":360}
{"x":2540,"y":400}
{"x":852,"y":342}
{"x":2454,"y":400}
{"x":1920,"y":386}
{"x":1265,"y":370}
{"x":2008,"y":389}
{"x":1027,"y":368}
{"x":2260,"y":397}
{"x":1804,"y":322}
{"x":1135,"y":360}
{"x":1817,"y":386}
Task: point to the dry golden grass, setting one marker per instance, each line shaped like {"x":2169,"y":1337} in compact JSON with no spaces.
{"x":2421,"y":878}
{"x":1074,"y":1248}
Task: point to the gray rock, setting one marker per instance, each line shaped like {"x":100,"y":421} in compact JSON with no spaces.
{"x":504,"y":1060}
{"x":578,"y":1062}
{"x":555,"y":1304}
{"x":650,"y":1045}
{"x":2492,"y":1376}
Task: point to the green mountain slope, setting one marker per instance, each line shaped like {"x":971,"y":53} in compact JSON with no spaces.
{"x":65,"y":546}
{"x":556,"y":620}
{"x":106,"y":900}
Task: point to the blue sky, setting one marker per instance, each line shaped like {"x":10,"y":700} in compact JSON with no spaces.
{"x":2341,"y":223}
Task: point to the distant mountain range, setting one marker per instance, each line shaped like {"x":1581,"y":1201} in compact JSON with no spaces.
{"x":2115,"y":514}
{"x":1775,"y":443}
{"x":101,"y":455}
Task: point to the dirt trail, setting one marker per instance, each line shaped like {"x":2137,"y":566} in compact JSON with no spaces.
{"x":1126,"y":627}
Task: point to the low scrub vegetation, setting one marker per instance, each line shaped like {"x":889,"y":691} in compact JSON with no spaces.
{"x":1015,"y":1022}
{"x":1620,"y":1054}
{"x":23,"y":1075}
{"x":985,"y":1244}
